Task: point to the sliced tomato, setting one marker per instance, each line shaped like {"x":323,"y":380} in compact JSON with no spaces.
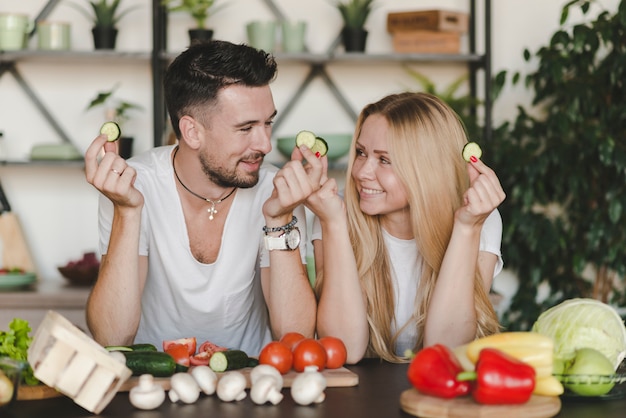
{"x":179,"y":353}
{"x":189,"y":343}
{"x":210,"y":347}
{"x":201,"y":359}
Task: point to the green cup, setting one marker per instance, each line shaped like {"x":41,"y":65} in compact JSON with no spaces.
{"x":14,"y":29}
{"x":262,"y":35}
{"x":53,"y":36}
{"x":293,"y":36}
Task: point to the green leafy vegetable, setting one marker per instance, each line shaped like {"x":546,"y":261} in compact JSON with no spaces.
{"x":584,"y":323}
{"x":14,"y":344}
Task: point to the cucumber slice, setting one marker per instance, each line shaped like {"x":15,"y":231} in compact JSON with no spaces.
{"x":305,"y":138}
{"x":471,"y":149}
{"x":111,"y":130}
{"x":320,"y":146}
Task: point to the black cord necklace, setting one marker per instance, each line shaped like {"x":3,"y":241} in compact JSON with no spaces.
{"x":212,"y":211}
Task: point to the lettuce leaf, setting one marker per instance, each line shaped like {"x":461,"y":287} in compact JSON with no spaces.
{"x":14,"y":343}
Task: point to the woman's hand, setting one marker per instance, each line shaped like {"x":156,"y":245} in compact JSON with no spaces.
{"x":295,"y":182}
{"x":112,"y":175}
{"x":483,"y":196}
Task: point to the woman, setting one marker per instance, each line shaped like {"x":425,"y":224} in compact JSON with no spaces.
{"x":418,"y":237}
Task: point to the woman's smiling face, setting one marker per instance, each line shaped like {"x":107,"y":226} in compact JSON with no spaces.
{"x":380,"y":190}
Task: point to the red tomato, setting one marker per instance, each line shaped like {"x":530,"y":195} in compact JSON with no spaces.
{"x":210,"y":347}
{"x":205,"y":351}
{"x":336,"y":353}
{"x":309,"y":352}
{"x":290,"y":339}
{"x":278,"y":355}
{"x":201,"y":359}
{"x":190,"y":343}
{"x":180,"y":354}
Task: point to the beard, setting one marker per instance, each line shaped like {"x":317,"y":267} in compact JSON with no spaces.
{"x":224,"y":177}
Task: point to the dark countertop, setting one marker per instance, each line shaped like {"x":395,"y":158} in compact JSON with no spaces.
{"x":377,"y":395}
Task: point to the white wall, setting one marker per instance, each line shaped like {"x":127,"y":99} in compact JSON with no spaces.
{"x":56,"y":206}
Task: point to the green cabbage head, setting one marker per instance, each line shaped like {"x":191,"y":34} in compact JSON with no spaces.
{"x":584,"y":323}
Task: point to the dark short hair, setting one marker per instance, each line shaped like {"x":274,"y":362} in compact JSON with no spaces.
{"x":195,"y":77}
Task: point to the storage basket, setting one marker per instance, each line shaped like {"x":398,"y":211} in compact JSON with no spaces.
{"x":65,"y":358}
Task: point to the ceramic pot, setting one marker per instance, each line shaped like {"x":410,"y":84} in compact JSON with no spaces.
{"x":354,"y":39}
{"x":104,"y":37}
{"x":125,"y":146}
{"x":200,"y":35}
{"x":14,"y":29}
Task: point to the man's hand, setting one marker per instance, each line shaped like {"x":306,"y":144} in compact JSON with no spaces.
{"x":112,"y":176}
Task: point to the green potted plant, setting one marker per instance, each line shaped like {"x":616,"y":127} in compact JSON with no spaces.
{"x":464,"y":105}
{"x":116,"y":110}
{"x":105,"y":15}
{"x":354,"y":14}
{"x":563,"y":168}
{"x":200,"y":11}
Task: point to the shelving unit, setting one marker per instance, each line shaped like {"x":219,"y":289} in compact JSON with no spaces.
{"x":9,"y":66}
{"x":318,"y":64}
{"x":158,"y":58}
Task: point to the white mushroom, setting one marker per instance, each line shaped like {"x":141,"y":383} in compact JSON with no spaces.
{"x":266,"y":370}
{"x":183,"y":388}
{"x":147,"y":394}
{"x":231,"y":386}
{"x":308,"y":387}
{"x":265,"y":389}
{"x":205,"y":378}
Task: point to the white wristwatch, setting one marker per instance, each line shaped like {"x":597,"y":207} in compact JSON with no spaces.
{"x":290,"y":240}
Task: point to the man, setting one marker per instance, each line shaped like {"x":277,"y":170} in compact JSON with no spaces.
{"x":184,"y":252}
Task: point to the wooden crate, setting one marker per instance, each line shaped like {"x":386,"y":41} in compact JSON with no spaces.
{"x":427,"y":42}
{"x":65,"y":358}
{"x":436,"y":20}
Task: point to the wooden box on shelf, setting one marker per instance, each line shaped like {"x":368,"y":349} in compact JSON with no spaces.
{"x":427,"y":42}
{"x":65,"y":358}
{"x":436,"y":20}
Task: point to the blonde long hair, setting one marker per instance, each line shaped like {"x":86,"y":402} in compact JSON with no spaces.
{"x":425,"y":138}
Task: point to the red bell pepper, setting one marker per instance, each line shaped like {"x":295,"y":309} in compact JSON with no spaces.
{"x":501,"y":379}
{"x":433,"y":371}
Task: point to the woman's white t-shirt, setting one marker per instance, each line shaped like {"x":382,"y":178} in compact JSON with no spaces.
{"x":406,"y":272}
{"x":220,"y":302}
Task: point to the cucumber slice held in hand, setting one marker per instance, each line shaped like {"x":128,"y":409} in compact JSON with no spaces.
{"x":471,"y":149}
{"x":320,"y":148}
{"x":111,"y":130}
{"x":305,"y":138}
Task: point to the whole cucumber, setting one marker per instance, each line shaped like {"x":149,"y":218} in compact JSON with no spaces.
{"x":132,"y":347}
{"x":222,"y":361}
{"x":156,"y":363}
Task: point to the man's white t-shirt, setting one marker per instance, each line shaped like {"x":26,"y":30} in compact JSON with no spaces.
{"x":406,"y":273}
{"x":220,"y":302}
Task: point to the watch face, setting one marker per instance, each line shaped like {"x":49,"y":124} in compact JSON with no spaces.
{"x":292,"y":238}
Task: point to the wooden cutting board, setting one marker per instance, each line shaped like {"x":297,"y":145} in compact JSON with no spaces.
{"x":420,"y":405}
{"x":15,"y":251}
{"x":341,"y":377}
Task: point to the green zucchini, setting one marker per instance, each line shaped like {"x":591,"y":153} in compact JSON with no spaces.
{"x":222,"y":361}
{"x":132,"y":347}
{"x":156,"y":363}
